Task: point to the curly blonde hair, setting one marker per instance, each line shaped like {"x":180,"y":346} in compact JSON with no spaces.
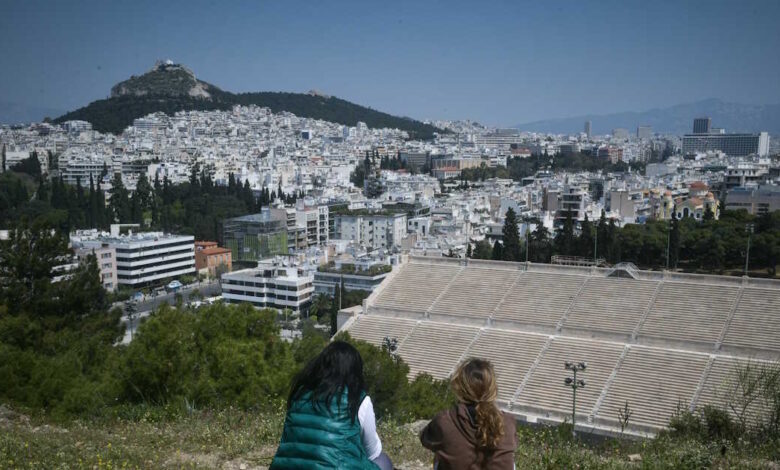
{"x":474,"y":383}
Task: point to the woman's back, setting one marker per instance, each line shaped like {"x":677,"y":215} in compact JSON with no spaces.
{"x":474,"y":434}
{"x":321,"y":437}
{"x":330,"y":420}
{"x":453,"y":437}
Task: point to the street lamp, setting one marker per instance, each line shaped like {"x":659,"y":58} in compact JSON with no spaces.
{"x":574,"y":383}
{"x":749,"y":230}
{"x":391,"y":344}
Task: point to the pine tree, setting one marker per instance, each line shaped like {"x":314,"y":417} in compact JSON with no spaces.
{"x":248,"y":197}
{"x":585,"y":240}
{"x":43,"y":191}
{"x":540,"y":244}
{"x":468,"y":250}
{"x":511,"y":251}
{"x":3,"y":162}
{"x":564,"y":239}
{"x":498,"y":251}
{"x":142,"y":198}
{"x":120,"y":201}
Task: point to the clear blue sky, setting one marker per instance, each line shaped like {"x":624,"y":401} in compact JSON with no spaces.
{"x":501,"y":63}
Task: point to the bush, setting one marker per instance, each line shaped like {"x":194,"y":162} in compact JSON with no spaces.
{"x":218,"y":356}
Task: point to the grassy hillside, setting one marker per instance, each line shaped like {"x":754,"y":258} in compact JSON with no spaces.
{"x":155,"y":437}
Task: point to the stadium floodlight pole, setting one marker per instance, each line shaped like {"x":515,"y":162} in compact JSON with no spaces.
{"x":527,"y":244}
{"x":668,"y":240}
{"x":574,"y":383}
{"x":749,"y":230}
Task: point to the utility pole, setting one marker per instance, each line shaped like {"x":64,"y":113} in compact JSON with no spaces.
{"x":749,"y":230}
{"x":574,"y":383}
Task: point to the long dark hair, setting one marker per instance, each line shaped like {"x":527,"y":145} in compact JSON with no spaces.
{"x":338,"y":367}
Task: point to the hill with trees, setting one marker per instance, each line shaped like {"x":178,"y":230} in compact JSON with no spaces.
{"x":169,"y":88}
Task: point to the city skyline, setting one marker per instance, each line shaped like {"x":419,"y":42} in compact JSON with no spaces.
{"x":500,"y":64}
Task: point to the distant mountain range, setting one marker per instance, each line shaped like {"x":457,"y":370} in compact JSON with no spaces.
{"x":19,"y":113}
{"x":170,"y":87}
{"x":734,"y":117}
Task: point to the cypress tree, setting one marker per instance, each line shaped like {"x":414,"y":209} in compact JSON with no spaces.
{"x":498,"y":251}
{"x":511,"y":249}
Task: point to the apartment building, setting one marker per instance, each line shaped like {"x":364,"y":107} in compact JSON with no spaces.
{"x":106,"y":261}
{"x":382,"y":229}
{"x":211,"y":259}
{"x":755,"y":200}
{"x":144,"y":258}
{"x":270,"y":285}
{"x":327,"y":279}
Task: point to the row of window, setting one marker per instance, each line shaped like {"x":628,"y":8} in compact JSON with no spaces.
{"x":157,"y":246}
{"x":267,"y":285}
{"x":153,"y":256}
{"x":152,"y":266}
{"x":269,"y":295}
{"x":155,"y":273}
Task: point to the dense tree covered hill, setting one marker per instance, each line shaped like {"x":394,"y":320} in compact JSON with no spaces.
{"x":115,"y":114}
{"x":330,"y":108}
{"x":170,"y":88}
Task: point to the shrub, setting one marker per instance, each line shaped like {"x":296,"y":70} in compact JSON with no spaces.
{"x":220,"y":355}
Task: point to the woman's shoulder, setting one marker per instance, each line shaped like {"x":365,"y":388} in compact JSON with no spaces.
{"x":510,"y":426}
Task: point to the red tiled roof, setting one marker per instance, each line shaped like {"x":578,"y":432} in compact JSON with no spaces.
{"x":215,"y":251}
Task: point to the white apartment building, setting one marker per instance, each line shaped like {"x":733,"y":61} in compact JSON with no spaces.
{"x":143,"y":258}
{"x":373,"y":230}
{"x":315,"y":220}
{"x":269,"y":285}
{"x":106,"y":261}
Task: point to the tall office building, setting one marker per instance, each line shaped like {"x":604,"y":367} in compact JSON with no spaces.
{"x":733,"y":145}
{"x":587,"y":129}
{"x":702,"y":125}
{"x":644,"y":132}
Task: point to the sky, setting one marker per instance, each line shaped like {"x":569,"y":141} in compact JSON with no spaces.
{"x":500,"y":63}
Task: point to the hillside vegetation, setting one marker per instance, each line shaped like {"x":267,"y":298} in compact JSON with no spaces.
{"x":169,"y":89}
{"x":206,"y":387}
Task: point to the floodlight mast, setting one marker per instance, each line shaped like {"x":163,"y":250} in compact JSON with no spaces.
{"x":574,"y":384}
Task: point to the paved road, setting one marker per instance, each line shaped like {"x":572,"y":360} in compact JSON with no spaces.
{"x":147,"y":306}
{"x":152,"y":303}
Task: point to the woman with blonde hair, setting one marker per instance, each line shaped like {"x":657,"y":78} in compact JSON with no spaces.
{"x":474,"y":434}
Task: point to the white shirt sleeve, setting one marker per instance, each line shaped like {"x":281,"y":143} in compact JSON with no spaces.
{"x":371,"y":442}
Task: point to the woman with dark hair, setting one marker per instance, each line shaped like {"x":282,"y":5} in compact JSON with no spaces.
{"x":474,"y":434}
{"x":330,"y":419}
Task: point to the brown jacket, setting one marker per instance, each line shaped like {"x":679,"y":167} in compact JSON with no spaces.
{"x":452,"y":436}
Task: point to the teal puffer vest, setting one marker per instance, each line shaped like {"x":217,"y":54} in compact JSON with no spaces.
{"x":323,"y":439}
